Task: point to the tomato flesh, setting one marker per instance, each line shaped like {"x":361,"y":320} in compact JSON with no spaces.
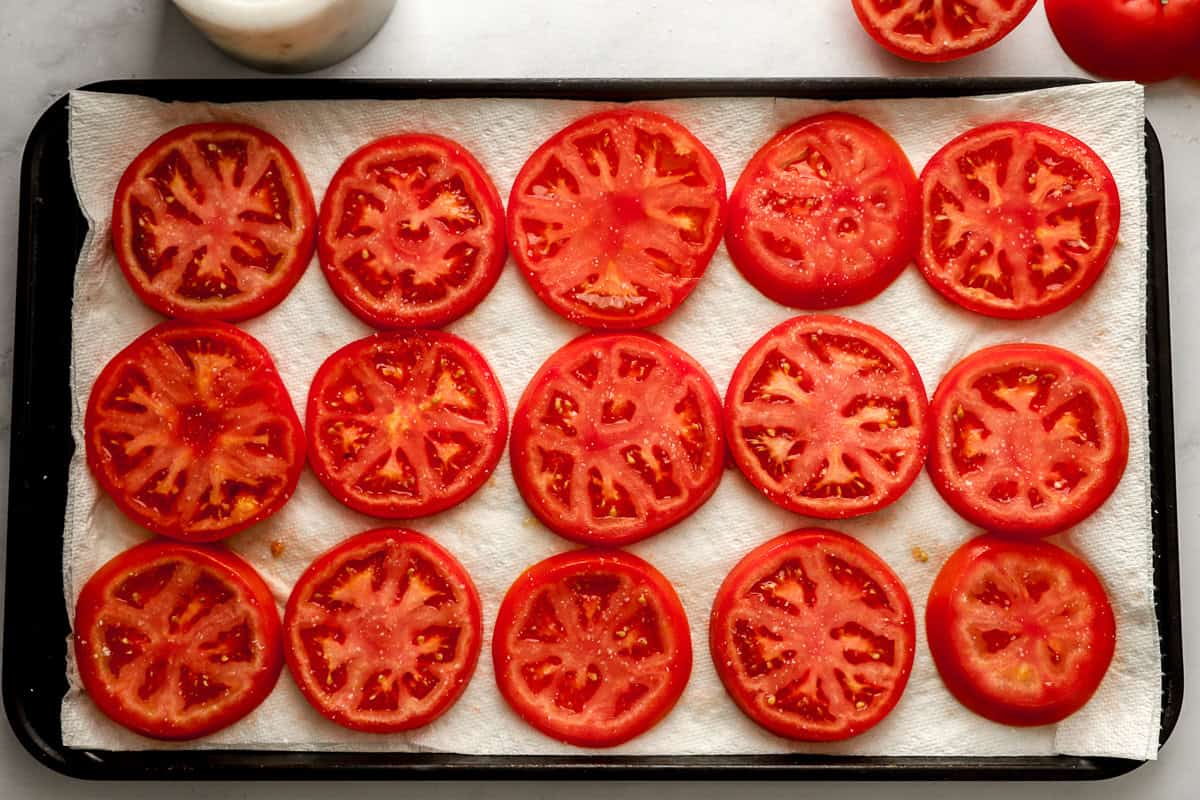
{"x":1019,"y":220}
{"x":826,"y":417}
{"x":405,"y":424}
{"x":191,"y":432}
{"x":592,"y":647}
{"x":1133,"y":40}
{"x":940,"y":30}
{"x":1021,"y":631}
{"x":826,"y":214}
{"x":177,"y":641}
{"x":213,"y":221}
{"x":1027,"y":438}
{"x":813,"y":636}
{"x":617,"y":437}
{"x":614,"y":219}
{"x":412,"y":232}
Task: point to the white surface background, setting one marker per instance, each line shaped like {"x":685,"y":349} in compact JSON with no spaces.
{"x":54,"y":45}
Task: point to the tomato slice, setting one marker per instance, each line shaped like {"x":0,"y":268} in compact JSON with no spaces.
{"x":1130,"y":40}
{"x":827,"y":417}
{"x":940,"y":30}
{"x":615,"y":218}
{"x":213,"y":221}
{"x":592,"y":647}
{"x":176,"y":641}
{"x":1021,"y":630}
{"x":617,"y":437}
{"x":826,"y":214}
{"x":813,"y":636}
{"x":191,"y":432}
{"x":1026,"y":438}
{"x":412,"y":232}
{"x":405,"y":424}
{"x":1020,"y":220}
{"x":383,"y":631}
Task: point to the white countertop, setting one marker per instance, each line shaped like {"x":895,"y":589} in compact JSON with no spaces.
{"x":46,"y":48}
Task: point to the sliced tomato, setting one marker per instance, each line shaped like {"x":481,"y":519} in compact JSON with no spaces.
{"x":1026,"y":439}
{"x":412,"y":232}
{"x":940,"y":30}
{"x":405,"y":424}
{"x":213,"y":221}
{"x":383,"y":631}
{"x":1130,"y":40}
{"x":827,"y":417}
{"x":1019,"y":220}
{"x":617,"y":437}
{"x":176,"y":641}
{"x":191,"y":432}
{"x":826,"y":214}
{"x":1021,"y":631}
{"x":592,"y":647}
{"x":615,"y":218}
{"x":813,"y":636}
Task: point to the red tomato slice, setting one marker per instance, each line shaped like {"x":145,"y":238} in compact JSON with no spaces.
{"x":826,"y":214}
{"x":383,"y":631}
{"x":1132,"y":40}
{"x":405,"y":424}
{"x":939,"y":30}
{"x":176,"y":641}
{"x":827,"y":417}
{"x":213,"y":221}
{"x":1021,"y":631}
{"x":1020,"y":220}
{"x":592,"y":647}
{"x":615,"y":218}
{"x":412,"y":232}
{"x":192,"y":433}
{"x":617,"y":437}
{"x":813,"y":636}
{"x":1026,"y":439}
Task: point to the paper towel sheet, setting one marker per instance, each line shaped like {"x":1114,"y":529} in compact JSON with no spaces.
{"x":495,"y":536}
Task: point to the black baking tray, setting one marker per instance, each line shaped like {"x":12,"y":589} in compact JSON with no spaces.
{"x":51,"y":234}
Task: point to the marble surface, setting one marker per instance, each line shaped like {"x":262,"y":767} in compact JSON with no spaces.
{"x":51,"y":46}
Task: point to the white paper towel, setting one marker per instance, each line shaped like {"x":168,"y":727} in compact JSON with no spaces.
{"x":495,"y":536}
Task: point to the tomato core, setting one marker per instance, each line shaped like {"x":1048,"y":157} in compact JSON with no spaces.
{"x":199,"y":427}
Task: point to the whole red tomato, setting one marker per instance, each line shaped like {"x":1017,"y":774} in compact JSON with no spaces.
{"x":1140,"y":40}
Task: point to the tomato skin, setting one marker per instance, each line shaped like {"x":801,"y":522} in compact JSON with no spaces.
{"x":914,"y":48}
{"x":942,"y":624}
{"x":268,"y":643}
{"x":266,"y":378}
{"x":377,"y":314}
{"x":1137,"y":40}
{"x":959,"y":493}
{"x":583,"y":563}
{"x":731,"y":602}
{"x":390,"y":538}
{"x":294,"y":264}
{"x":834,"y":285}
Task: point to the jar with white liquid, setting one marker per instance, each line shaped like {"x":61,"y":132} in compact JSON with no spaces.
{"x":288,"y":35}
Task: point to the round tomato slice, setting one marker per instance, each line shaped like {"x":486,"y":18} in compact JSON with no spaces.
{"x":176,"y":641}
{"x":383,"y":631}
{"x":813,"y":636}
{"x":940,"y":30}
{"x":412,"y":232}
{"x":826,"y":214}
{"x":1019,"y":220}
{"x":405,"y":424}
{"x":1021,"y":631}
{"x":1026,"y":438}
{"x":191,"y":432}
{"x":592,"y":647}
{"x":827,"y":417}
{"x":1133,"y":40}
{"x":617,"y":437}
{"x":213,"y":221}
{"x":615,"y":218}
